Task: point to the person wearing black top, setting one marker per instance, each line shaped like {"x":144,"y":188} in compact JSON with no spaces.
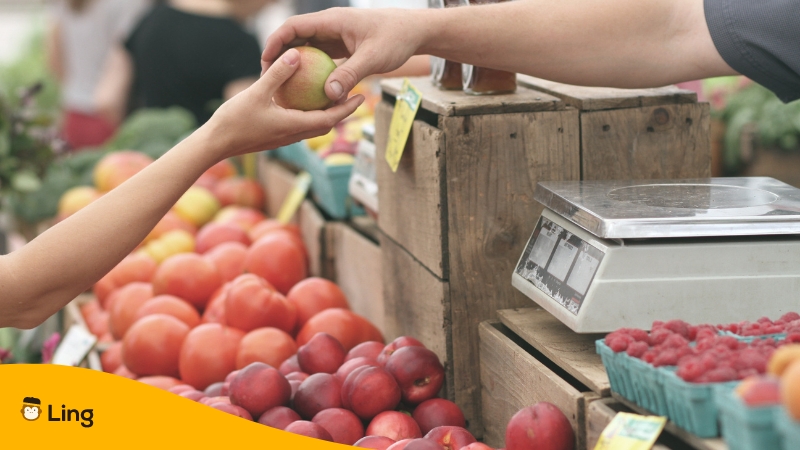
{"x":189,"y":53}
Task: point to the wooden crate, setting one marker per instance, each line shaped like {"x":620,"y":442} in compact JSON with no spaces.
{"x":356,"y":260}
{"x":277,"y":179}
{"x":514,"y":376}
{"x":637,"y":133}
{"x":459,"y":210}
{"x":600,"y":413}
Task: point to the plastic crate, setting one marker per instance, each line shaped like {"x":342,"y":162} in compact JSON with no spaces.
{"x":294,"y":154}
{"x":619,"y":374}
{"x":747,"y":428}
{"x":788,"y":431}
{"x":692,"y":406}
{"x":330,"y":187}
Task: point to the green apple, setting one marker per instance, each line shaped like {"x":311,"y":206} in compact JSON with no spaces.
{"x":305,"y":89}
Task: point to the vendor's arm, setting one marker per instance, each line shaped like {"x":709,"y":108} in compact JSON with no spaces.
{"x":619,"y":43}
{"x":67,"y":259}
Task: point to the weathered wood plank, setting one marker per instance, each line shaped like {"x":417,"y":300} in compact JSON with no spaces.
{"x":358,"y":273}
{"x":658,"y":142}
{"x":513,"y":379}
{"x":457,"y":103}
{"x":277,"y":180}
{"x":493,"y":165}
{"x":312,"y":225}
{"x":412,"y":199}
{"x":416,"y":302}
{"x":588,"y":98}
{"x":573,"y":352}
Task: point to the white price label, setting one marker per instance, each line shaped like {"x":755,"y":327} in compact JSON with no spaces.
{"x":75,"y":346}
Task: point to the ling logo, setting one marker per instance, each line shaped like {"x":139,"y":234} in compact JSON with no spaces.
{"x":32,"y":410}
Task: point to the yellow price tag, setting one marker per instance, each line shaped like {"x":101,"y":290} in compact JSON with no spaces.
{"x":408,"y":101}
{"x":296,"y":196}
{"x":631,"y":432}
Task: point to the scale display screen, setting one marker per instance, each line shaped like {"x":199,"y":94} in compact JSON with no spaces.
{"x":560,"y":264}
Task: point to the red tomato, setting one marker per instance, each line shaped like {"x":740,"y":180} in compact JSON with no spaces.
{"x":135,"y":267}
{"x":171,"y":306}
{"x":277,"y":259}
{"x":214,"y":234}
{"x":268,"y":345}
{"x":229,"y":259}
{"x":111,"y":358}
{"x":208,"y":354}
{"x":252,"y":303}
{"x":346,"y":326}
{"x":313,"y":295}
{"x":267,"y":226}
{"x":161,"y":382}
{"x":124,"y":303}
{"x":188,"y":276}
{"x":152,"y":345}
{"x":215,"y":311}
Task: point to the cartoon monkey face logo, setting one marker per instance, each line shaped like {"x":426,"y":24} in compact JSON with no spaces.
{"x":31,"y":408}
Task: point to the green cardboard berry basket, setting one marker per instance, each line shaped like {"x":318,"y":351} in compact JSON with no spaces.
{"x":744,"y":427}
{"x":619,"y":374}
{"x":330,"y":187}
{"x":692,"y":406}
{"x":788,"y":430}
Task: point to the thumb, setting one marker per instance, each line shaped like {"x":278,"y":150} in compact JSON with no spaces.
{"x":347,"y":75}
{"x":279,"y":71}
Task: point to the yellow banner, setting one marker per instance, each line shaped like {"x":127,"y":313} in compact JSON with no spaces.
{"x":58,"y":407}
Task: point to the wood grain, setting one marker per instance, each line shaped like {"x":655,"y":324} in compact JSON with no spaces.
{"x":493,"y":164}
{"x":412,"y":200}
{"x":277,"y":180}
{"x":512,"y":379}
{"x":573,"y":352}
{"x":600,"y":98}
{"x":416,"y":302}
{"x":457,"y":103}
{"x":358,"y":273}
{"x":312,"y":226}
{"x":658,"y":142}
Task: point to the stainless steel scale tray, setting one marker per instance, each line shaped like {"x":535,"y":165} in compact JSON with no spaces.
{"x":746,"y":206}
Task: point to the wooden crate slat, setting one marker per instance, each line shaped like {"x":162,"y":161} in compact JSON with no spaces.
{"x":588,"y":98}
{"x":312,"y":225}
{"x":657,"y":142}
{"x":277,"y":181}
{"x":457,"y":103}
{"x":359,"y":275}
{"x":513,"y":379}
{"x":573,"y":352}
{"x":493,"y":165}
{"x":411,"y":199}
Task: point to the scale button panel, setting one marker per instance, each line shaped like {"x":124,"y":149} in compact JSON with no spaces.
{"x":560,"y":264}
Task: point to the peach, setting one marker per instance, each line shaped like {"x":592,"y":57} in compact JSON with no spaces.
{"x":160,"y":381}
{"x":781,"y":359}
{"x":318,"y":392}
{"x":297,"y":376}
{"x":368,"y":391}
{"x":278,"y":260}
{"x":790,"y":390}
{"x":313,"y":295}
{"x":438,"y":412}
{"x":111,"y":358}
{"x":305,"y":89}
{"x":453,"y":438}
{"x":232,"y":409}
{"x":218,"y":389}
{"x":76,"y":199}
{"x":402,"y":341}
{"x":151,"y":346}
{"x":542,"y":425}
{"x":401,"y":444}
{"x":124,"y":303}
{"x":170,"y":305}
{"x":259,"y":388}
{"x":418,"y":372}
{"x":193,"y":395}
{"x":134,"y":267}
{"x":240,"y":191}
{"x":374,"y":442}
{"x":477,"y":446}
{"x":279,"y":417}
{"x":267,"y":226}
{"x":228,"y":258}
{"x":222,"y":169}
{"x":215,"y":309}
{"x":268,"y":345}
{"x":188,"y":276}
{"x":117,"y":167}
{"x":252,"y":303}
{"x":309,"y":429}
{"x":394,"y":425}
{"x":170,"y":222}
{"x":214,"y":234}
{"x":759,"y":390}
{"x":422,"y":444}
{"x":322,"y":354}
{"x":343,"y":426}
{"x":349,"y":366}
{"x":240,"y":216}
{"x":290,"y":365}
{"x":369,"y":350}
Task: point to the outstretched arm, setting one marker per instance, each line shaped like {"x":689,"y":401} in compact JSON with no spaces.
{"x":67,"y":259}
{"x":618,"y":43}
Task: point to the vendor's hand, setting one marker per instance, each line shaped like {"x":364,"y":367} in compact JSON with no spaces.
{"x":251,"y":121}
{"x":374,"y":41}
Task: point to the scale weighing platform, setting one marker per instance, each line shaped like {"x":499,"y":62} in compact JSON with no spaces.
{"x":612,"y":254}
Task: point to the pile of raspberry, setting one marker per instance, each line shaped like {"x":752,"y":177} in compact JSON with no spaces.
{"x":712,"y":358}
{"x":789,"y":323}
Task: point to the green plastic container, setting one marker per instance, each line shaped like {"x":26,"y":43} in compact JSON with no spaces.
{"x":788,"y":431}
{"x":294,"y":154}
{"x":619,"y":374}
{"x":692,"y":406}
{"x":747,"y":428}
{"x":330,"y":187}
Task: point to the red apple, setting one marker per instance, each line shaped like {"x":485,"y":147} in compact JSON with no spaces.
{"x":451,"y":438}
{"x":310,"y":429}
{"x":318,"y":392}
{"x":344,"y":426}
{"x":418,"y":372}
{"x":438,"y":412}
{"x":401,"y":342}
{"x":289,"y":366}
{"x":232,"y":409}
{"x":349,"y":366}
{"x":368,"y":391}
{"x":541,"y":426}
{"x":321,"y":354}
{"x":278,"y":417}
{"x":374,"y":442}
{"x":258,"y":387}
{"x":394,"y":425}
{"x":370,"y":349}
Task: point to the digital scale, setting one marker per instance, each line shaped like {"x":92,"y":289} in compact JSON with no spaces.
{"x":612,"y":254}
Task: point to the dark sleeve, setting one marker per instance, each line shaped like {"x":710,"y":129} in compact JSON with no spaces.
{"x":244,"y":58}
{"x":759,"y":39}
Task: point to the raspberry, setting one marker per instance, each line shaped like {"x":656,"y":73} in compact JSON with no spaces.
{"x":649,"y":356}
{"x":637,"y":349}
{"x":721,"y":374}
{"x":676,"y":341}
{"x":668,"y":357}
{"x":750,"y":358}
{"x":691,"y":369}
{"x":657,"y":324}
{"x":793,"y":338}
{"x":773,"y":329}
{"x":678,"y":326}
{"x":747,"y":373}
{"x":789,"y":317}
{"x":764,"y":320}
{"x":640,"y":335}
{"x":659,"y":335}
{"x":619,"y":343}
{"x":728,"y":341}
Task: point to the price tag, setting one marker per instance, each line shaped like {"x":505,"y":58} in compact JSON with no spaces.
{"x":631,"y":432}
{"x":296,"y":196}
{"x":408,"y":101}
{"x":74,"y":347}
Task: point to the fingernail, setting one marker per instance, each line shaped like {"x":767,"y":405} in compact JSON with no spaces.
{"x":336,"y":88}
{"x":291,"y":57}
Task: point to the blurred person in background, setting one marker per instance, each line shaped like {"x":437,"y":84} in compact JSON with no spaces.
{"x":80,"y":38}
{"x":189,"y":53}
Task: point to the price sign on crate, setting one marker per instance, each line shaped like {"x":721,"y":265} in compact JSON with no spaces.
{"x":408,"y":101}
{"x":631,"y":432}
